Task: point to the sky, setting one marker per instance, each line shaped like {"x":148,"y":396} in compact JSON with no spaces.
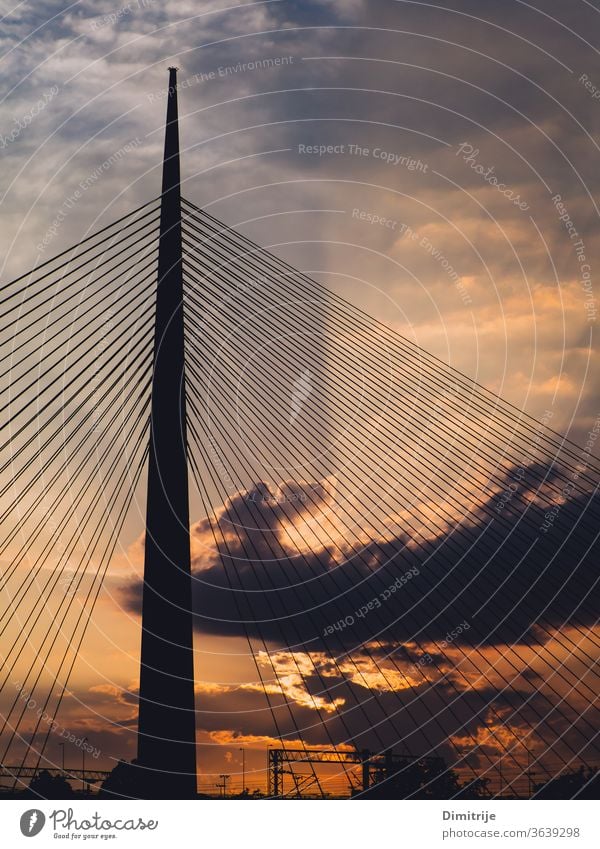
{"x":433,"y":163}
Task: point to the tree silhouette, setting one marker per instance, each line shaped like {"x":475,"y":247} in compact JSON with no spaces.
{"x":50,"y":786}
{"x":581,"y":784}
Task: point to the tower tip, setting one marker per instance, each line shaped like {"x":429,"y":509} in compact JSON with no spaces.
{"x":172,"y":81}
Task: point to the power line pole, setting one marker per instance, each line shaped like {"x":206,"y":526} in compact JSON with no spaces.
{"x":83,"y":742}
{"x":224,"y":784}
{"x":166,"y":729}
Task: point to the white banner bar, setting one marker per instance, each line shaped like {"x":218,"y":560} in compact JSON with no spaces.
{"x":301,"y":824}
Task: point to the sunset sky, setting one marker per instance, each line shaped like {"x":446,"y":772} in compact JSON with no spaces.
{"x":431,"y":163}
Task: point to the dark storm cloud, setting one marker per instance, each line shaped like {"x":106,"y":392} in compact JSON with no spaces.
{"x":511,"y":582}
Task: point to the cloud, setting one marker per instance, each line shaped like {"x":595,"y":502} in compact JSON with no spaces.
{"x":504,"y":587}
{"x":410,"y":82}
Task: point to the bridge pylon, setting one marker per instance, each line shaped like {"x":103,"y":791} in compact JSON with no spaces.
{"x":166,"y":729}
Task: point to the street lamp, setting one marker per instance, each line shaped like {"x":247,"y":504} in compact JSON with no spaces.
{"x":243,"y":751}
{"x":83,"y":742}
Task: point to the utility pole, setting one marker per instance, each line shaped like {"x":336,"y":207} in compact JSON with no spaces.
{"x":83,"y":742}
{"x":166,"y":726}
{"x":243,"y":751}
{"x":224,"y":784}
{"x":366,"y":772}
{"x":529,"y":775}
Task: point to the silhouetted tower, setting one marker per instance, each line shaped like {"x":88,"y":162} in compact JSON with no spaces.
{"x":166,"y":730}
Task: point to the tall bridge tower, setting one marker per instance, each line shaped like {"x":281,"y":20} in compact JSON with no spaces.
{"x":166,"y":729}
